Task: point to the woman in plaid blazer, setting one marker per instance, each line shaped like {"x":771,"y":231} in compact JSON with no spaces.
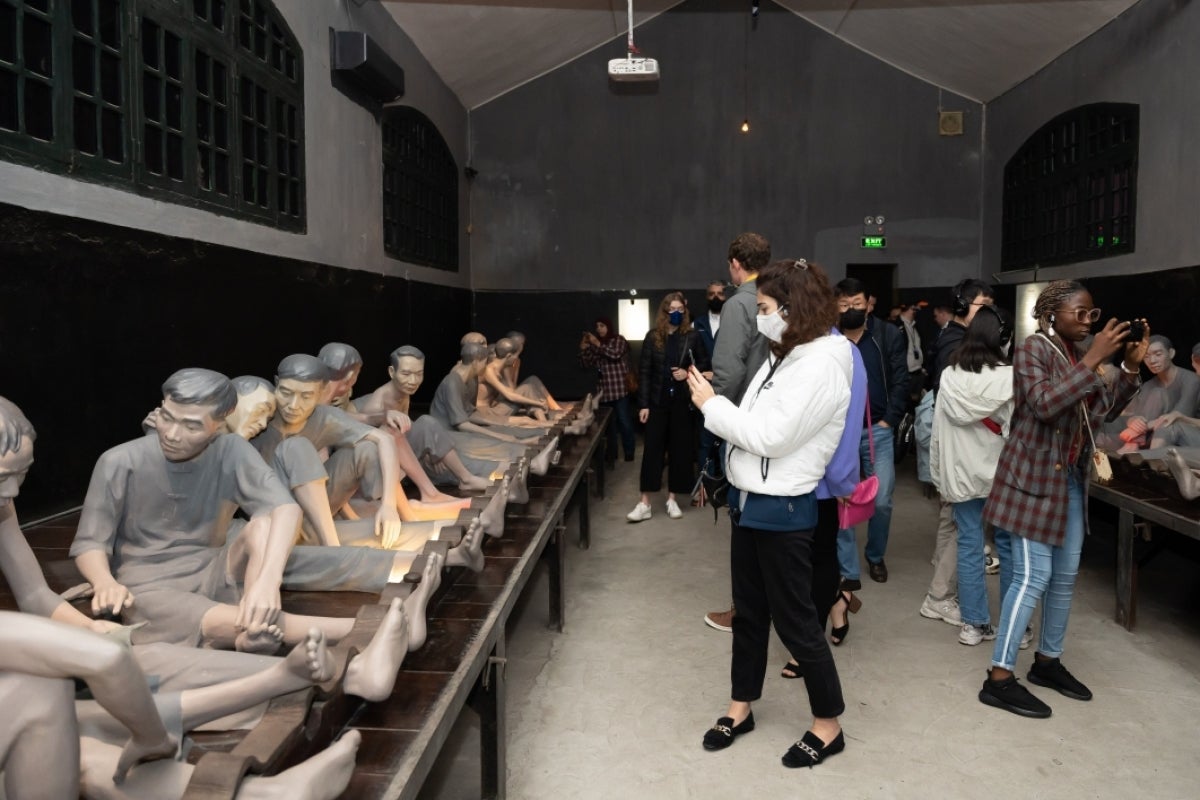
{"x":1039,"y":495}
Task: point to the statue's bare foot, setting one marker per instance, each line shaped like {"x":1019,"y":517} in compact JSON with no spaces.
{"x":450,"y":507}
{"x":371,"y":674}
{"x":416,"y":603}
{"x":474,"y":483}
{"x":492,"y":517}
{"x":518,"y":487}
{"x":322,"y":777}
{"x":438,"y":497}
{"x":1189,"y":484}
{"x":311,"y":659}
{"x":541,"y":462}
{"x":469,"y":552}
{"x":264,"y":640}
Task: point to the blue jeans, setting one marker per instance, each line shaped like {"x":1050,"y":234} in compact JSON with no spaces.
{"x":622,"y":423}
{"x":879,"y":525}
{"x":972,"y":586}
{"x":1043,"y":573}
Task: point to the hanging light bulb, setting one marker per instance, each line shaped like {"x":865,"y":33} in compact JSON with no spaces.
{"x":746,"y":125}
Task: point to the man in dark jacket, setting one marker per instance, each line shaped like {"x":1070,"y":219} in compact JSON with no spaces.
{"x":882,"y":347}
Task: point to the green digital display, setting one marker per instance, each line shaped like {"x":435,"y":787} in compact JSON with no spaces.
{"x":874,"y":242}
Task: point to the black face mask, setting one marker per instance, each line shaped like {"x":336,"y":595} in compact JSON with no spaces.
{"x":714,"y":304}
{"x":852,"y":319}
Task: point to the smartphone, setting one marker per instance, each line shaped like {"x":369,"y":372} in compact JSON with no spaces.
{"x":688,"y":360}
{"x":1137,"y":330}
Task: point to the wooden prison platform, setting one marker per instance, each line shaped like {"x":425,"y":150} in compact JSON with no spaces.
{"x":459,"y":666}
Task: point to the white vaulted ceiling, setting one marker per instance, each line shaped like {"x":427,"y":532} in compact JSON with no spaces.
{"x":975,"y":48}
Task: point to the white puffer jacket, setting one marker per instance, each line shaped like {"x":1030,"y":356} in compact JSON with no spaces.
{"x":795,"y":419}
{"x":964,"y":452}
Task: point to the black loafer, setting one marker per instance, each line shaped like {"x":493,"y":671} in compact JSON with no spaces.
{"x":810,"y":750}
{"x":1053,"y":675}
{"x":878,"y":571}
{"x":721,"y":735}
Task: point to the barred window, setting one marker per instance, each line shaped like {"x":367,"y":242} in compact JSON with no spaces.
{"x":1070,"y":190}
{"x":420,"y":191}
{"x":198,"y":102}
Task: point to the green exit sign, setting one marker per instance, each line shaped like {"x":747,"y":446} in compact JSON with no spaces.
{"x":874,"y":242}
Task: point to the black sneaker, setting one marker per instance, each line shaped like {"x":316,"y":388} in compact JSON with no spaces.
{"x":1053,"y":675}
{"x":1010,"y":695}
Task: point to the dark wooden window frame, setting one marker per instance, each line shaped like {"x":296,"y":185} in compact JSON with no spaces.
{"x":420,"y":191}
{"x":1070,"y":191}
{"x":195,"y":102}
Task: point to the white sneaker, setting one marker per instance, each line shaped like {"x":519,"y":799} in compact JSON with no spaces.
{"x":640,"y":512}
{"x":945,"y":610}
{"x":974,"y":634}
{"x":1027,"y":638}
{"x":673,"y":510}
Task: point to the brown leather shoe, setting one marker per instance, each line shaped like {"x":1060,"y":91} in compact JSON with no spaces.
{"x":878,"y":571}
{"x":720,"y":620}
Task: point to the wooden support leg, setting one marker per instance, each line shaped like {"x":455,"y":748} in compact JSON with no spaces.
{"x":582,"y":499}
{"x":556,"y":557}
{"x":1126,"y":572}
{"x":488,"y":700}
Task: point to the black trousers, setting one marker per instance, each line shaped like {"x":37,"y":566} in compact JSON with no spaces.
{"x":826,"y":574}
{"x":670,"y":431}
{"x":772,"y":575}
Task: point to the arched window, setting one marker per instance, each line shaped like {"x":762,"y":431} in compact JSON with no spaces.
{"x":192,"y":101}
{"x":1071,"y":190}
{"x":420,"y":191}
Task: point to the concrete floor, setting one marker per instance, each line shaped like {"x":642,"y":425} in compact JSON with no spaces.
{"x":615,"y":706}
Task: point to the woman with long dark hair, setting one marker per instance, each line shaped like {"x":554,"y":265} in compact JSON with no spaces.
{"x":607,"y":352}
{"x":1039,"y":494}
{"x":670,"y":348}
{"x":779,"y":441}
{"x":970,"y":422}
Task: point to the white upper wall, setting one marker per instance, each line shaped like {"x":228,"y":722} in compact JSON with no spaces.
{"x":342,"y":163}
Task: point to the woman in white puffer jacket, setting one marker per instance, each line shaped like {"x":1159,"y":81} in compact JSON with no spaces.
{"x":779,"y":441}
{"x":970,"y":423}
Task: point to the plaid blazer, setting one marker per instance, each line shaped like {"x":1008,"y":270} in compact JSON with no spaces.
{"x":1029,"y":494}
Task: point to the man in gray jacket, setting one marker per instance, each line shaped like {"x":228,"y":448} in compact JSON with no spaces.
{"x":740,"y":350}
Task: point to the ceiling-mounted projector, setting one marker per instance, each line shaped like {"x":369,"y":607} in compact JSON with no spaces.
{"x":633,"y":69}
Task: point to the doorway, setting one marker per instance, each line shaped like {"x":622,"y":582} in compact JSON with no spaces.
{"x":881,"y":282}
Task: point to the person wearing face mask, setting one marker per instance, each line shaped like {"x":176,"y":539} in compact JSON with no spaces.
{"x":670,"y":348}
{"x":779,"y":442}
{"x":882,"y":349}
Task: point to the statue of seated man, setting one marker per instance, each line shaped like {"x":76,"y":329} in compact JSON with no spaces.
{"x":345,"y":365}
{"x":502,"y":401}
{"x":299,"y":466}
{"x":428,"y":438}
{"x":532,"y":385}
{"x":474,"y":434}
{"x":1170,"y":390}
{"x":151,"y":542}
{"x":417,"y":444}
{"x":1179,"y":427}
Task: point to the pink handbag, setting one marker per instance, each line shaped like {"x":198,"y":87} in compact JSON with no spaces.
{"x":860,"y":505}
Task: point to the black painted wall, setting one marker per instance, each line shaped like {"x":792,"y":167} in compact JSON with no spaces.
{"x":587,"y":185}
{"x":94,"y":317}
